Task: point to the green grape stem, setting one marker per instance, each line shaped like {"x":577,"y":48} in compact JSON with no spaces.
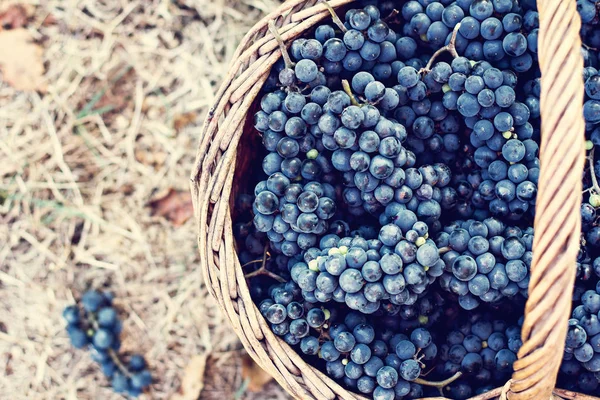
{"x":114,"y":356}
{"x":252,"y":262}
{"x":444,"y":250}
{"x":335,"y":18}
{"x":392,"y":17}
{"x":348,"y":90}
{"x":284,"y":53}
{"x":595,"y":189}
{"x":450,"y":47}
{"x":440,"y":385}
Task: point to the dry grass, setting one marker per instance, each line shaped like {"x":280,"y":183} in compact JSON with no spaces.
{"x":76,"y":181}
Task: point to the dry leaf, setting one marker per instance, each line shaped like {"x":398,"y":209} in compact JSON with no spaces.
{"x":175,"y":206}
{"x":21,"y":61}
{"x":257,"y":378}
{"x":192,"y":382}
{"x":180,"y":121}
{"x":13,"y":17}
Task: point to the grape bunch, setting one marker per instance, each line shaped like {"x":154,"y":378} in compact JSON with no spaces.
{"x":504,"y":162}
{"x":483,"y":350}
{"x":591,"y":114}
{"x":426,"y":202}
{"x":292,"y":215}
{"x":580,"y":369}
{"x":395,"y":268}
{"x":588,"y":11}
{"x":97,"y":326}
{"x":581,"y":361}
{"x":486,"y":261}
{"x":366,"y":359}
{"x":369,"y":152}
{"x":290,"y":134}
{"x":503,"y":32}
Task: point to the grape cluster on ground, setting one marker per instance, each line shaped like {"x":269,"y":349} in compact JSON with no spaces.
{"x":389,"y":234}
{"x":96,"y":326}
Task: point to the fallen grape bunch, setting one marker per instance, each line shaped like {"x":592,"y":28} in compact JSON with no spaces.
{"x":96,"y":326}
{"x":389,"y":235}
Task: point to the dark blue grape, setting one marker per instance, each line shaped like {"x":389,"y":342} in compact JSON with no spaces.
{"x":306,"y":70}
{"x":71,"y":315}
{"x":513,"y":150}
{"x":360,"y":354}
{"x":141,"y":379}
{"x":92,"y":301}
{"x":514,"y":44}
{"x":77,"y":337}
{"x":103,"y":339}
{"x":491,"y":28}
{"x":120,"y":383}
{"x":468,"y":105}
{"x":481,"y":9}
{"x":107,"y":317}
{"x":410,"y":370}
{"x":452,"y":15}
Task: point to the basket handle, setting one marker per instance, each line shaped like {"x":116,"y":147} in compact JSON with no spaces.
{"x":557,"y":220}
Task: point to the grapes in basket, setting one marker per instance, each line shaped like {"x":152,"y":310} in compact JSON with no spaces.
{"x":389,"y":235}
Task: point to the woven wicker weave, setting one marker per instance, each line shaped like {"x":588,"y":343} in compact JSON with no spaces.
{"x":219,"y":172}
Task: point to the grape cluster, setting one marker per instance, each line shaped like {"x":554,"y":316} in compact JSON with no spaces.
{"x":369,"y":152}
{"x":366,"y":359}
{"x":499,"y":169}
{"x":503,"y":32}
{"x":97,"y":326}
{"x":590,"y":36}
{"x":484,"y":350}
{"x":293,"y":205}
{"x":400,"y":155}
{"x":395,"y":268}
{"x":289,"y":317}
{"x":591,"y":114}
{"x":581,"y":361}
{"x":292,"y":215}
{"x":485,"y":261}
{"x":288,"y":124}
{"x":588,"y":11}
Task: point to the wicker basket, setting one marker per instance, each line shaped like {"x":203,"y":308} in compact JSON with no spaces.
{"x":557,"y":222}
